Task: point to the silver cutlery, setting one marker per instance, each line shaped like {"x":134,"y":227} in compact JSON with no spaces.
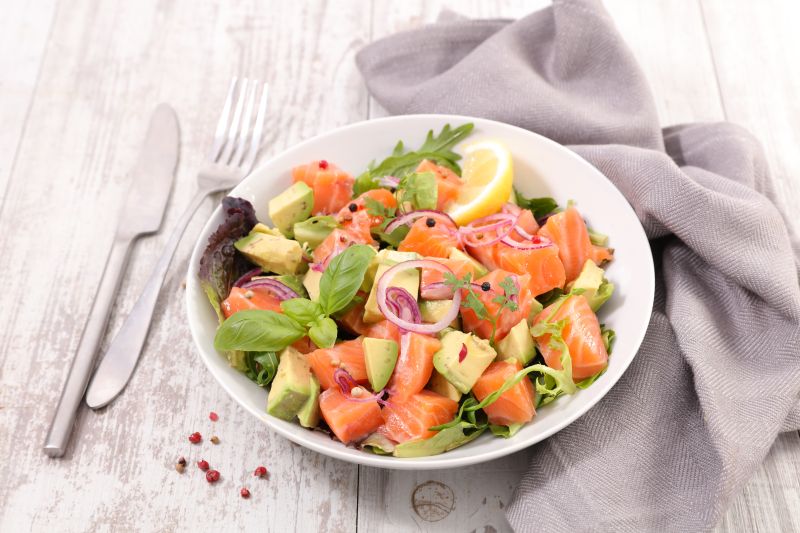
{"x":236,"y":143}
{"x":142,"y":213}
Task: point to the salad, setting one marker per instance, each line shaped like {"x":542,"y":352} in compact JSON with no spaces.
{"x":410,"y":309}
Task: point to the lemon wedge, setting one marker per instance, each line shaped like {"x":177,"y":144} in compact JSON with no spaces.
{"x":487,"y":181}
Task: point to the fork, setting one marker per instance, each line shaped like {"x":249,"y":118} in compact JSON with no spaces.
{"x":232,"y":156}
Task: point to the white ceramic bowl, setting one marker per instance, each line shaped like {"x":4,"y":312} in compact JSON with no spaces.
{"x":541,"y":168}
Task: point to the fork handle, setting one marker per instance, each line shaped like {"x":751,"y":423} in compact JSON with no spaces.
{"x":64,"y":418}
{"x":123,"y":353}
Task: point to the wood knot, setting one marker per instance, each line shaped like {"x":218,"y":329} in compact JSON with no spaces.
{"x":433,"y":501}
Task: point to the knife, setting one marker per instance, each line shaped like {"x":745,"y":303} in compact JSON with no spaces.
{"x":142,"y":213}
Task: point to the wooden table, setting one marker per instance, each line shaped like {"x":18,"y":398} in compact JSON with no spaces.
{"x":78,"y":80}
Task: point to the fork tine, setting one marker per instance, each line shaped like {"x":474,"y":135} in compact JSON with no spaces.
{"x":234,"y":129}
{"x":255,"y":140}
{"x":222,"y":125}
{"x":244,"y":130}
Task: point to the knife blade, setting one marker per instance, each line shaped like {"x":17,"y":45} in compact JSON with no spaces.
{"x":151,"y":182}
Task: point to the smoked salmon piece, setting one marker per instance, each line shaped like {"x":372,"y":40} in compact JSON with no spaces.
{"x":514,"y":406}
{"x":414,"y":365}
{"x":353,"y":321}
{"x":354,"y":231}
{"x":433,"y":241}
{"x":348,"y":355}
{"x":459,"y":267}
{"x":333,"y":187}
{"x":507,"y":319}
{"x":410,"y":419}
{"x":568,"y":231}
{"x":581,"y":334}
{"x":259,"y":298}
{"x":525,"y":220}
{"x":350,"y":420}
{"x":382,"y":196}
{"x":447,"y":182}
{"x":543,"y":265}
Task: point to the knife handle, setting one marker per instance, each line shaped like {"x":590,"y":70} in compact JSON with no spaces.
{"x":64,"y":418}
{"x":119,"y":362}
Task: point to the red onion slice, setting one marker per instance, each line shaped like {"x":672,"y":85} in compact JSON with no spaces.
{"x":384,"y":283}
{"x":410,"y":217}
{"x":247,"y":277}
{"x":487,"y":230}
{"x":403,"y":304}
{"x":463,"y":353}
{"x":280,"y":290}
{"x":534,"y":244}
{"x":345,"y":381}
{"x":389,"y":181}
{"x":440,"y":290}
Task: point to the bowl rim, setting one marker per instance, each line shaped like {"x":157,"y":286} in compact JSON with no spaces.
{"x":440,"y":461}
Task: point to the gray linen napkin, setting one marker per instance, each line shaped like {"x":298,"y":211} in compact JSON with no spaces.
{"x":718,"y":374}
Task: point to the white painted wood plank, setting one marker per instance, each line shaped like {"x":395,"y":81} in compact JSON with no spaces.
{"x":756,"y":49}
{"x":107,"y":65}
{"x":24,"y":28}
{"x":756,"y":52}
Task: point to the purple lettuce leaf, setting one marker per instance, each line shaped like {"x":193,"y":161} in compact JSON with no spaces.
{"x":221,"y":265}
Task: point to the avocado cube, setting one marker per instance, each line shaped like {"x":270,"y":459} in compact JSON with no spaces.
{"x":263,"y":228}
{"x":518,"y":344}
{"x":458,"y":255}
{"x":291,"y":387}
{"x":311,"y":283}
{"x":434,"y":310}
{"x":380,"y":357}
{"x":463,"y":373}
{"x":408,"y":279}
{"x":313,"y":231}
{"x":274,"y":254}
{"x":291,"y":206}
{"x":443,"y":441}
{"x":439,"y":384}
{"x":309,"y":414}
{"x":596,"y":289}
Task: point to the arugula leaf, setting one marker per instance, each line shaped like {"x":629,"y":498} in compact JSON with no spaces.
{"x":343,"y":277}
{"x":302,"y":310}
{"x":377,"y":209}
{"x":261,"y":367}
{"x":220,"y":264}
{"x":419,"y":189}
{"x":539,"y":206}
{"x":256,"y":330}
{"x":323,"y":332}
{"x":435,"y":148}
{"x":394,"y":238}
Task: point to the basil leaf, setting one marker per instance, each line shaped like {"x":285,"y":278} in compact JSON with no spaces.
{"x":256,"y":330}
{"x":301,"y":309}
{"x":538,"y":206}
{"x":343,"y":277}
{"x":323,"y":332}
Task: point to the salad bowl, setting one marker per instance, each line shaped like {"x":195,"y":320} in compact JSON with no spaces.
{"x":542,"y":168}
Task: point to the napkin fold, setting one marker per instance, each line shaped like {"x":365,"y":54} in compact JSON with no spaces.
{"x":718,"y":374}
